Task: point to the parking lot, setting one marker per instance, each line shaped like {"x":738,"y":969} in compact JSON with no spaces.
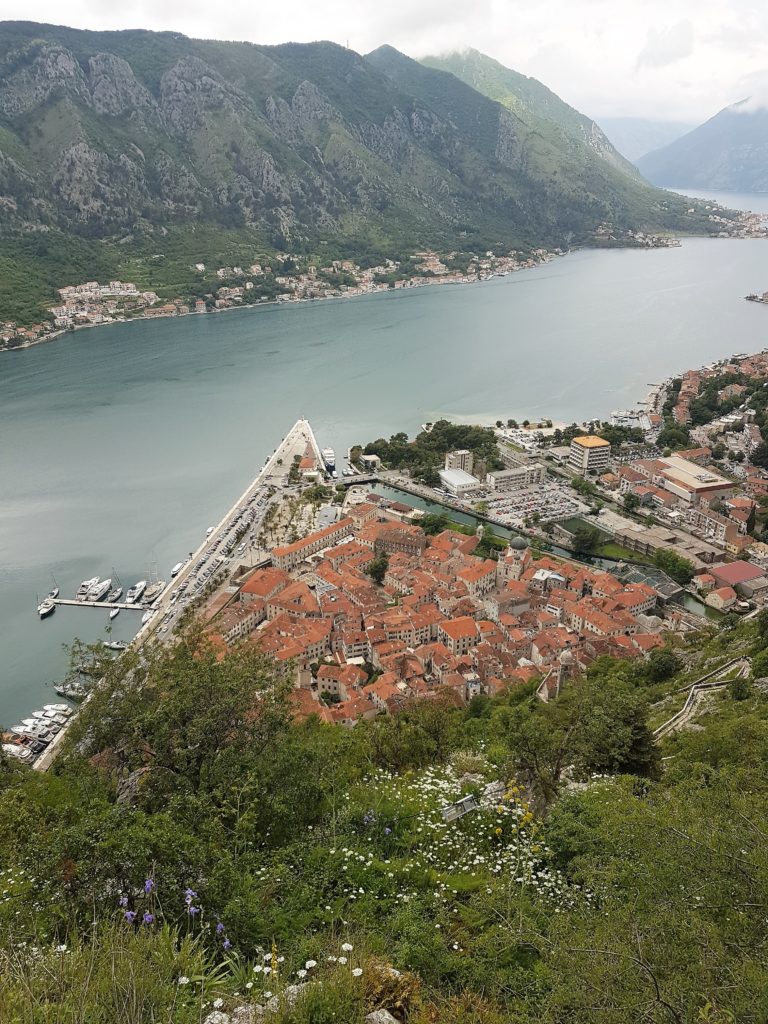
{"x":548,"y":501}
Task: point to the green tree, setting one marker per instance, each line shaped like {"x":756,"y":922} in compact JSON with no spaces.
{"x":377,"y":569}
{"x":631,"y":502}
{"x":678,"y":568}
{"x":585,"y":538}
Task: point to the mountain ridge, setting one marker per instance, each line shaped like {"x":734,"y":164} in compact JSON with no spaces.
{"x":113,"y":141}
{"x":729,"y":151}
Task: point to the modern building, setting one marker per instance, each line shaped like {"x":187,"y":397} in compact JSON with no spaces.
{"x":526,"y":475}
{"x":458,"y":482}
{"x":460,"y":459}
{"x":589,"y":454}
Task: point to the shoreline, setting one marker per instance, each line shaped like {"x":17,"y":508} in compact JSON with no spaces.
{"x":439,"y":281}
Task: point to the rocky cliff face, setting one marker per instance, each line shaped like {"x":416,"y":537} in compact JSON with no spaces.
{"x":101,"y":132}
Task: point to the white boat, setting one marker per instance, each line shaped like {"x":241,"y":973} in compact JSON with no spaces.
{"x":20,"y":753}
{"x":40,"y":733}
{"x":114,"y":612}
{"x":115,"y":595}
{"x":154,"y":590}
{"x":99,"y":591}
{"x":37,"y":724}
{"x":177,"y":569}
{"x":329,"y":458}
{"x":46,"y":607}
{"x":49,"y":718}
{"x":116,"y":645}
{"x":135,"y":592}
{"x":61,"y":709}
{"x":147,"y":616}
{"x":85,"y":587}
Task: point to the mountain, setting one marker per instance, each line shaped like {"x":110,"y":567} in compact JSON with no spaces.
{"x":730,"y":151}
{"x":121,"y":151}
{"x":636,"y":136}
{"x":534,"y":104}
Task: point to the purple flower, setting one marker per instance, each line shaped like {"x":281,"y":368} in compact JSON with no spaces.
{"x":149,"y":885}
{"x":193,"y":910}
{"x":387,"y":831}
{"x":227,"y":944}
{"x":130,"y":916}
{"x":123,"y":901}
{"x":189,"y":895}
{"x":219,"y":928}
{"x":148,"y":918}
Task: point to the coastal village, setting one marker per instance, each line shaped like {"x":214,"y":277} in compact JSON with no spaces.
{"x":379,"y":605}
{"x":280,"y":278}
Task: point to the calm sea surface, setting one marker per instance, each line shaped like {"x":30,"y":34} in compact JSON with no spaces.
{"x":120,"y":445}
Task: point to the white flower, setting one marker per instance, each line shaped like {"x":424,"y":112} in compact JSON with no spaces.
{"x":218,"y":1003}
{"x":310,"y":964}
{"x":347,"y":947}
{"x":267,"y":995}
{"x":61,"y":949}
{"x":301,"y":973}
{"x":342,"y":960}
{"x":183,"y":980}
{"x":356,"y":972}
{"x":249,"y":984}
{"x":258,"y":969}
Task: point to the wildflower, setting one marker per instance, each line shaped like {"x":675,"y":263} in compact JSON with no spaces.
{"x":148,"y":918}
{"x":356,"y":972}
{"x":192,"y":910}
{"x":301,"y":973}
{"x":218,"y":1003}
{"x":219,"y":928}
{"x":226,"y":944}
{"x":62,"y":948}
{"x":258,"y":969}
{"x":149,"y":886}
{"x":123,"y":901}
{"x":267,"y":995}
{"x":130,"y":916}
{"x":347,"y":947}
{"x":183,"y":980}
{"x":249,"y":984}
{"x":310,"y":964}
{"x":342,"y":960}
{"x":189,"y":895}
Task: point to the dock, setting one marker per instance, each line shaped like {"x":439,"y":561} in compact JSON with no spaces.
{"x":296,"y":441}
{"x":99,"y":604}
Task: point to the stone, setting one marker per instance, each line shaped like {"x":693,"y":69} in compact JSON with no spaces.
{"x":380,"y":1017}
{"x":218,"y":1017}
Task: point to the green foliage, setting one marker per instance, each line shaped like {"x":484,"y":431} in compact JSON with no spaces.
{"x":678,"y":568}
{"x":585,"y":538}
{"x":631,"y":502}
{"x":377,"y":569}
{"x":425,"y":455}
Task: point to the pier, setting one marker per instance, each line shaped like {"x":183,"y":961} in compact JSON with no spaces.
{"x":99,"y":604}
{"x":274,"y":473}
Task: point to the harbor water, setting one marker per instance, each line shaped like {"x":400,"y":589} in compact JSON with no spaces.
{"x":120,"y":445}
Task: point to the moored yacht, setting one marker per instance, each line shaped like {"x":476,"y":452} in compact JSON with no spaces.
{"x":115,"y":595}
{"x":114,"y":612}
{"x":46,"y":607}
{"x":329,"y":458}
{"x":85,"y":587}
{"x":99,"y":590}
{"x":135,"y":592}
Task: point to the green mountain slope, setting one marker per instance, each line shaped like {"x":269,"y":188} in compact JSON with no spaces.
{"x":138,"y":143}
{"x":730,"y":151}
{"x":536,"y":105}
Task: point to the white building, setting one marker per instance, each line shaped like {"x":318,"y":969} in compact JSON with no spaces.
{"x":510,"y":479}
{"x":589,"y":454}
{"x":460,"y":459}
{"x":457,"y":482}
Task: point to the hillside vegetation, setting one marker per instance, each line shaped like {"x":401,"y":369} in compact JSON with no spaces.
{"x":194,"y":850}
{"x":138,"y":146}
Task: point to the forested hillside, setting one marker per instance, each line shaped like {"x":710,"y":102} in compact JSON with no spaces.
{"x":140,"y":146}
{"x":196,"y":851}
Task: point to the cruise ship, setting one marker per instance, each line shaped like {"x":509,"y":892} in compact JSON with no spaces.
{"x":329,"y":458}
{"x":135,"y":592}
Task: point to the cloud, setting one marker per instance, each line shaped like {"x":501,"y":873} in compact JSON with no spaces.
{"x":581,"y":49}
{"x":667,"y":46}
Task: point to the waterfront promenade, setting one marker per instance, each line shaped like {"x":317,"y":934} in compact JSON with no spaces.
{"x":273,"y":474}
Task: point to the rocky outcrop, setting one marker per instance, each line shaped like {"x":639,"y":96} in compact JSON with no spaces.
{"x":115,"y":91}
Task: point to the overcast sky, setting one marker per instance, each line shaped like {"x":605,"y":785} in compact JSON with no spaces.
{"x":663,"y":59}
